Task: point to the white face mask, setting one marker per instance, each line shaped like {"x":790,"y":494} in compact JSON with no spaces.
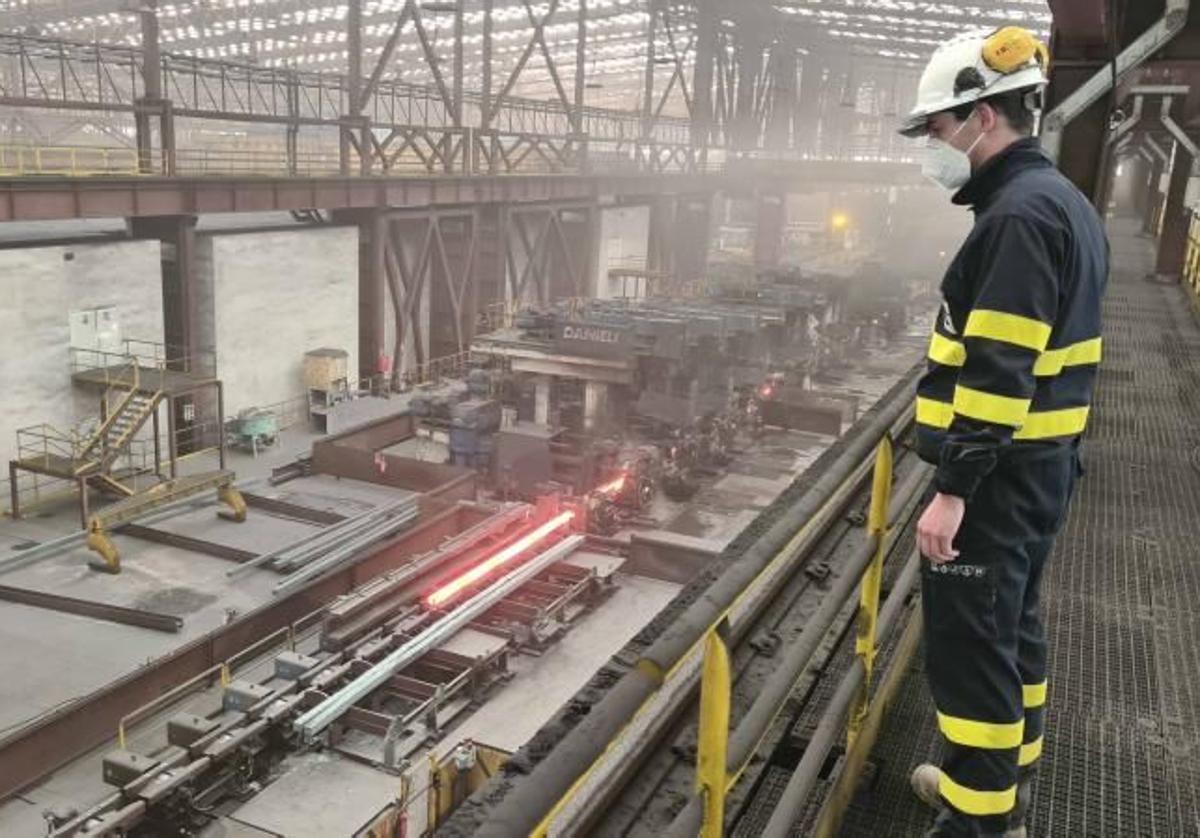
{"x":946,"y":165}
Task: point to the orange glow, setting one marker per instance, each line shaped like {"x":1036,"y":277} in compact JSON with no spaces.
{"x":454,"y":586}
{"x":612,"y":486}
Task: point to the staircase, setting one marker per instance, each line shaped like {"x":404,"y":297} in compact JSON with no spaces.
{"x":133,"y":408}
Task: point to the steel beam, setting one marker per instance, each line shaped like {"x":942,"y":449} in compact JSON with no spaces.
{"x":89,"y":608}
{"x":186,"y":542}
{"x":1101,"y":82}
{"x":285,"y":509}
{"x":312,"y":723}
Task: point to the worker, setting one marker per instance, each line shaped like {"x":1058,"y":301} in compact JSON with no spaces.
{"x":1011,"y":370}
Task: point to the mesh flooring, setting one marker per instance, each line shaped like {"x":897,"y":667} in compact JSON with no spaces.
{"x":1122,"y":590}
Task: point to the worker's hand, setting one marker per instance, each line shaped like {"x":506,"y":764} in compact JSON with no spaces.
{"x":938,"y":526}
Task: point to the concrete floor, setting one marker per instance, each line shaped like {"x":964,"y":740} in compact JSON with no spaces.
{"x":62,"y":656}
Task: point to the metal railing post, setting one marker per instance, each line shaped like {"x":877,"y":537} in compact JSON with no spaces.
{"x":712,"y":778}
{"x":868,"y":604}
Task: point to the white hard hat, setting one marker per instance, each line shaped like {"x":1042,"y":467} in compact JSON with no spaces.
{"x":976,"y":65}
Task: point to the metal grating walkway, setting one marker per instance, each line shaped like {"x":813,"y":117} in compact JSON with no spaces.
{"x":1122,"y":595}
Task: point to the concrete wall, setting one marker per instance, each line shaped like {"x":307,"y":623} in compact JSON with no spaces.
{"x":624,"y":236}
{"x":39,"y":287}
{"x":276,"y":296}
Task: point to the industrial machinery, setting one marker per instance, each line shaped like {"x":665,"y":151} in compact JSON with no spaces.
{"x":625,"y":495}
{"x":253,"y":428}
{"x":380,"y":646}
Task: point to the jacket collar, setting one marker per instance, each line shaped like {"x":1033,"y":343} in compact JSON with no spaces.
{"x":994,"y":174}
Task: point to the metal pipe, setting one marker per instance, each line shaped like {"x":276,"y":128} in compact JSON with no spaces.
{"x":1179,"y":134}
{"x":785,"y":541}
{"x":1149,"y":42}
{"x":312,"y":723}
{"x":772,"y":694}
{"x":800,"y":786}
{"x":1159,"y":152}
{"x":339,"y":555}
{"x":301,"y":544}
{"x":365,"y":529}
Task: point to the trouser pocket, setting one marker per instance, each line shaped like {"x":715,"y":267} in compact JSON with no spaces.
{"x":959,"y":598}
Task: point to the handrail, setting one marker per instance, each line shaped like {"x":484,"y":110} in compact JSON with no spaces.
{"x":73,"y":161}
{"x":737,"y":749}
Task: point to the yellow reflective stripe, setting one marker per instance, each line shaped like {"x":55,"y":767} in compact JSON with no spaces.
{"x":1052,"y":361}
{"x":1049,"y":424}
{"x":1030,"y":752}
{"x":1009,"y":328}
{"x":986,"y":407}
{"x":979,"y":803}
{"x":934,"y":413}
{"x":947,"y":352}
{"x":1034,"y":695}
{"x":975,"y":734}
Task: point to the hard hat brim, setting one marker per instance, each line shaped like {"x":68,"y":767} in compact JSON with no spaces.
{"x":1028,"y":79}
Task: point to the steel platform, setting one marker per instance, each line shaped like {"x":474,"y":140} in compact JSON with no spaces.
{"x":1123,"y":718}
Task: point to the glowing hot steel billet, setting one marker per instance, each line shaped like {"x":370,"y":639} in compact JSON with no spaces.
{"x":613,"y":486}
{"x":312,"y":723}
{"x":448,"y":591}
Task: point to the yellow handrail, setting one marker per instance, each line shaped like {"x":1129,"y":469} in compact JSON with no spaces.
{"x":713,"y":780}
{"x":71,"y":161}
{"x":712,"y":776}
{"x":868,"y":605}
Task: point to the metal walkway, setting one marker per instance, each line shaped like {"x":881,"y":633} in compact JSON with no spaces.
{"x":1122,"y":598}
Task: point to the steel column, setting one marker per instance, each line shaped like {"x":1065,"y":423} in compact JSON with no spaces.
{"x":771,"y":218}
{"x":354,"y":86}
{"x":702,"y":73}
{"x":1153,"y":195}
{"x":580,"y":57}
{"x":749,"y":56}
{"x":152,"y":96}
{"x":648,"y":80}
{"x":485,"y":105}
{"x":693,"y":222}
{"x":783,"y":98}
{"x":372,"y":293}
{"x":458,"y":63}
{"x":1172,"y":243}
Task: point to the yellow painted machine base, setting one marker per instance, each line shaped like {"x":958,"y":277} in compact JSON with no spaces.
{"x":231,"y":497}
{"x":99,"y":542}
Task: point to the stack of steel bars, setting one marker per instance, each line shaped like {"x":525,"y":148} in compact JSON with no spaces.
{"x":311,"y":556}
